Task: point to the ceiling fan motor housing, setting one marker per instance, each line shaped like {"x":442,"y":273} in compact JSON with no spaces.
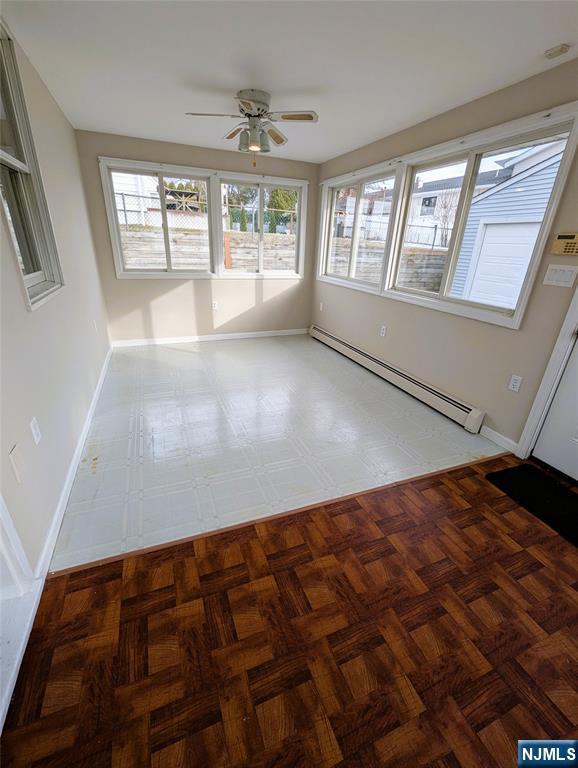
{"x":253,"y":103}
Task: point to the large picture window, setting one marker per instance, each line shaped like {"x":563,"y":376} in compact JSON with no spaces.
{"x":172,"y":221}
{"x":22,"y":198}
{"x":456,"y":229}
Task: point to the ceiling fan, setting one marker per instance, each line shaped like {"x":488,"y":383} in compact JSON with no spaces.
{"x":257,"y":126}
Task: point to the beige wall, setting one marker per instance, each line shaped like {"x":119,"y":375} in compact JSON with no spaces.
{"x":467,"y":358}
{"x":51,"y":357}
{"x":149,"y":308}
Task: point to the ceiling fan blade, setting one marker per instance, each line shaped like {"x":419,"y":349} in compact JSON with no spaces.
{"x":234,"y":132}
{"x":301,"y":116}
{"x":209,"y":114}
{"x":275,"y":134}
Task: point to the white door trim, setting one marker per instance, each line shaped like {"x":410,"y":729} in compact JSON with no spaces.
{"x":552,"y":375}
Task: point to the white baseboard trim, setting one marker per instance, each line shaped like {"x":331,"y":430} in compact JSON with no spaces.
{"x":23,"y":623}
{"x":36,"y":583}
{"x":46,"y":555}
{"x":504,"y":442}
{"x":207,"y":337}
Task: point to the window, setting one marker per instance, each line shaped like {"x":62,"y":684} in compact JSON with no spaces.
{"x":280,"y":228}
{"x":512,"y":189}
{"x":241,"y":235}
{"x":460,"y":227}
{"x":425,"y":245}
{"x":261,"y":228}
{"x":21,"y":193}
{"x":173,"y":221}
{"x":359,"y":229}
{"x":428,"y":205}
{"x":163,"y":221}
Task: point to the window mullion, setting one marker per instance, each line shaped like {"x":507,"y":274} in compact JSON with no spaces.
{"x":394,"y":227}
{"x":165,"y":221}
{"x":261,"y":227}
{"x":461,"y":217}
{"x":355,"y":233}
{"x":215,"y":194}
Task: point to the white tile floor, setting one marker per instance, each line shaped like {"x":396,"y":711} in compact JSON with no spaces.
{"x":193,"y":437}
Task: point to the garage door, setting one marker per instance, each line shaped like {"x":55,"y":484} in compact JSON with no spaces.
{"x":500,"y":262}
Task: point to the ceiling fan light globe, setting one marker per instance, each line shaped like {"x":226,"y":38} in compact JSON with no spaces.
{"x":244,"y":141}
{"x":254,"y":140}
{"x":264,"y":142}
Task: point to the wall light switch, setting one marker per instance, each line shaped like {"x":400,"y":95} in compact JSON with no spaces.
{"x":321,"y":306}
{"x":382,"y":330}
{"x":35,"y":429}
{"x":214,"y":306}
{"x":515,"y":383}
{"x":560,"y":274}
{"x":17,"y":463}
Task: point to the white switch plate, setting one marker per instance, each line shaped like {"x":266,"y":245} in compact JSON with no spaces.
{"x":321,"y":306}
{"x":515,"y":383}
{"x":382,"y":330}
{"x":214,"y":306}
{"x":35,"y":429}
{"x":560,"y":274}
{"x":17,"y":463}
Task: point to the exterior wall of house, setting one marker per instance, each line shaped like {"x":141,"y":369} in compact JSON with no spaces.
{"x":529,"y":198}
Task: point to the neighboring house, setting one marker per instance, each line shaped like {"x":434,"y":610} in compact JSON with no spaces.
{"x":502,"y":227}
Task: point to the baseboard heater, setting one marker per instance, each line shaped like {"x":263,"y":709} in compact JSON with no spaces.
{"x":467,"y":415}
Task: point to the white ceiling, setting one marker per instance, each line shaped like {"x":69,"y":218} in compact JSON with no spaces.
{"x":368,"y":68}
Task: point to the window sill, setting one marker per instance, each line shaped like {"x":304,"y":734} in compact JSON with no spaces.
{"x":353,"y":284}
{"x":492,"y":316}
{"x":41,"y":293}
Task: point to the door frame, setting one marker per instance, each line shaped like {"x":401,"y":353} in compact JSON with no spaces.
{"x":479,"y":242}
{"x":549,"y":384}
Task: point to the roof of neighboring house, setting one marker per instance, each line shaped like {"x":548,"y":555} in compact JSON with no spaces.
{"x":484,"y":179}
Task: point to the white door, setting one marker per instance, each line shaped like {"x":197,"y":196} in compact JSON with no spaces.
{"x":558,"y":440}
{"x":500,"y":260}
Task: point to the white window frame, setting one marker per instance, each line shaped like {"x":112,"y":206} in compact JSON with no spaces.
{"x":41,"y":285}
{"x":327,"y":222}
{"x":214,"y":179}
{"x":564,"y":117}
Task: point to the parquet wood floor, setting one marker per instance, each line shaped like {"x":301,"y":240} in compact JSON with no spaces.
{"x":431,"y":623}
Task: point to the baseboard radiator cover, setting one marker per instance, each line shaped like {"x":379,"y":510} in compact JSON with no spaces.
{"x":467,"y":415}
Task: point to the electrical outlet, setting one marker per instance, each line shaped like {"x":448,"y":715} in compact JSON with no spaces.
{"x":214,"y":306}
{"x":35,"y":429}
{"x":321,"y":306}
{"x":17,"y":463}
{"x":382,"y":330}
{"x":515,"y":383}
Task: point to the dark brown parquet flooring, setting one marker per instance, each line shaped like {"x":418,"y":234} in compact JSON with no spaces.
{"x":431,"y":623}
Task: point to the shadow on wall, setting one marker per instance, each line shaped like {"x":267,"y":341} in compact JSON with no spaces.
{"x":168,"y":308}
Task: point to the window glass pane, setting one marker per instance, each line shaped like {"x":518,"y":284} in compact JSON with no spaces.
{"x":188,"y":223}
{"x":280,"y":228}
{"x":15,"y":208}
{"x":240,"y":227}
{"x":138,"y":208}
{"x":341,"y":232}
{"x":9,"y":141}
{"x":374,"y":212}
{"x":430,"y":219}
{"x":512,"y":190}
